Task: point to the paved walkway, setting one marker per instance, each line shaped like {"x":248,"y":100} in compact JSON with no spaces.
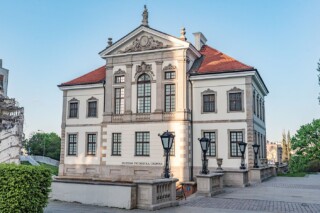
{"x":279,"y":194}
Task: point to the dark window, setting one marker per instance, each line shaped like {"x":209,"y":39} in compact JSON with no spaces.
{"x":72,"y":144}
{"x":212,"y":146}
{"x":235,"y":138}
{"x":209,"y":103}
{"x":263,"y":111}
{"x":73,"y":110}
{"x":142,"y":143}
{"x":260,"y":106}
{"x":170,"y":97}
{"x":144,"y":94}
{"x":119,"y":79}
{"x":119,"y":101}
{"x":116,"y":144}
{"x":235,"y":101}
{"x":170,"y":75}
{"x":92,"y":109}
{"x":258,"y":109}
{"x":92,"y":144}
{"x":254,"y":102}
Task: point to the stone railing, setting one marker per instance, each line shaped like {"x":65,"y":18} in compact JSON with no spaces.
{"x":156,"y":194}
{"x":257,"y":175}
{"x":210,"y":184}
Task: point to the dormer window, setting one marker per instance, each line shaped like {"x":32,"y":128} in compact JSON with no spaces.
{"x":119,"y":79}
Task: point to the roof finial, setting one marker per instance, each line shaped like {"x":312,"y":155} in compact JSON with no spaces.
{"x":145,"y":16}
{"x":183,"y":34}
{"x":109,"y":41}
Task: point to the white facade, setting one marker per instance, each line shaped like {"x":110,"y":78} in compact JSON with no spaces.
{"x":128,"y":146}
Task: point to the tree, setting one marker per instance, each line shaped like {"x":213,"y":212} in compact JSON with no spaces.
{"x":289,"y":145}
{"x":44,"y":144}
{"x":306,"y":145}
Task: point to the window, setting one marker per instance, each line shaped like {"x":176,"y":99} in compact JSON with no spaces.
{"x":263,"y":111}
{"x":170,"y":97}
{"x":144,"y":94}
{"x":170,"y":75}
{"x":258,"y":109}
{"x":119,"y":79}
{"x":209,"y":103}
{"x":119,"y":101}
{"x":92,"y":144}
{"x":73,"y":110}
{"x":254,"y":102}
{"x":92,"y":109}
{"x":235,"y":101}
{"x":142,"y":143}
{"x":235,"y":138}
{"x":116,"y":144}
{"x":212,"y":146}
{"x":72,"y":144}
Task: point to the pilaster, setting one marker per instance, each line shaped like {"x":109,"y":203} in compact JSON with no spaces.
{"x":160,"y":90}
{"x":127,"y":91}
{"x":250,"y":127}
{"x":108,"y":88}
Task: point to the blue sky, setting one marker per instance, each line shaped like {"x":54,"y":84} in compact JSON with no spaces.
{"x":45,"y":43}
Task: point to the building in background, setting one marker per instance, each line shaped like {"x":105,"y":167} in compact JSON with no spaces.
{"x":152,"y":82}
{"x":11,"y":122}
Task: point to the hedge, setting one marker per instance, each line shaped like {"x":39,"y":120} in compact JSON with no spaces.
{"x":24,"y":189}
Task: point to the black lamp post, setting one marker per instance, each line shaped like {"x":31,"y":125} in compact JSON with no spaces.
{"x":167,"y":140}
{"x":256,"y":151}
{"x":242,"y":146}
{"x":204,"y":142}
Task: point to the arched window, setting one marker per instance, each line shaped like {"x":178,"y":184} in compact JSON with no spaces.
{"x":144,"y":94}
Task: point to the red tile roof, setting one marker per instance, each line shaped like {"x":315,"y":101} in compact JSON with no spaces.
{"x":93,"y":77}
{"x":215,"y":61}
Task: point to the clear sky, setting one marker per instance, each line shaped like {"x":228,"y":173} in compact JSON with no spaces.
{"x":45,"y":43}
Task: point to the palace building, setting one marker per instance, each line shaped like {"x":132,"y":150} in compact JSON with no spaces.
{"x":152,"y":82}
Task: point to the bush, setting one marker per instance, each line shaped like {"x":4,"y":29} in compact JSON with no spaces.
{"x":313,"y":166}
{"x":24,"y":188}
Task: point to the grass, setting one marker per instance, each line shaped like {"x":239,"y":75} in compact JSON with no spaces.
{"x":53,"y":169}
{"x":296,"y":174}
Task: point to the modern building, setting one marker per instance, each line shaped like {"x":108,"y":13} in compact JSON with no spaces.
{"x":152,"y":82}
{"x":11,"y":122}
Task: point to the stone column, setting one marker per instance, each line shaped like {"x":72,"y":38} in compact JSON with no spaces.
{"x":63,"y":134}
{"x":250,"y":125}
{"x":181,"y":89}
{"x":160,"y":89}
{"x":109,"y":91}
{"x":127,"y":91}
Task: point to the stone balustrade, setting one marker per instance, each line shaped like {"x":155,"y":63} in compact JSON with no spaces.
{"x":156,"y":194}
{"x":210,"y":184}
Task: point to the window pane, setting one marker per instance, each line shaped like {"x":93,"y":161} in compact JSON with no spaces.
{"x":116,"y":143}
{"x":235,"y":138}
{"x":72,"y":144}
{"x":144,"y":94}
{"x":119,"y":101}
{"x":142,"y":143}
{"x":235,"y":101}
{"x":212,"y":146}
{"x":209,"y":103}
{"x":92,"y":109}
{"x":73,"y":113}
{"x":170,"y":97}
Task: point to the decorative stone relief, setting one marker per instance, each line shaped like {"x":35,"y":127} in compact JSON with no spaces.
{"x":144,"y":43}
{"x":208,"y":91}
{"x":144,"y":68}
{"x":235,"y":89}
{"x":120,"y":72}
{"x":169,"y":67}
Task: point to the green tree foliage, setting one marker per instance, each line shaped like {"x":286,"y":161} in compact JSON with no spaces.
{"x":306,"y":146}
{"x":24,"y":188}
{"x":47,"y":144}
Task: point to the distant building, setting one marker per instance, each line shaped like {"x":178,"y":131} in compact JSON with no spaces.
{"x":11,"y":122}
{"x":152,"y":82}
{"x":273,"y":152}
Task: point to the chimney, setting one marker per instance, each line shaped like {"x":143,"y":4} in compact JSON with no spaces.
{"x":199,"y":40}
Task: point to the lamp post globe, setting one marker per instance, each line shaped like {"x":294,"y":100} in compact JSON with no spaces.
{"x":204,"y":143}
{"x":242,"y":146}
{"x":167,"y":141}
{"x":256,"y":151}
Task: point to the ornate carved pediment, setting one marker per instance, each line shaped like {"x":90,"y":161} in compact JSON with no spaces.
{"x":120,"y":72}
{"x":92,"y":99}
{"x":73,"y":100}
{"x":169,"y":67}
{"x":235,"y":89}
{"x":144,"y":68}
{"x":144,"y":43}
{"x":208,"y":91}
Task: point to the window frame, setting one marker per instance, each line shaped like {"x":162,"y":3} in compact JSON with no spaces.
{"x":143,"y":145}
{"x":116,"y":77}
{"x":121,"y":110}
{"x":73,"y":101}
{"x":144,"y":97}
{"x":94,"y":148}
{"x":208,"y":92}
{"x":241,"y":101}
{"x":172,"y":107}
{"x":118,"y":143}
{"x":170,"y":72}
{"x":208,"y":154}
{"x":91,"y":100}
{"x":76,"y":145}
{"x":242,"y":131}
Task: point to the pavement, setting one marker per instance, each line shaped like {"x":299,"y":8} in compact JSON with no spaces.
{"x":276,"y":195}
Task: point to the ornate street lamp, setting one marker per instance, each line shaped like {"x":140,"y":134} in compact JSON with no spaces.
{"x":242,"y":146}
{"x":256,"y":151}
{"x":167,"y":141}
{"x":204,"y":143}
